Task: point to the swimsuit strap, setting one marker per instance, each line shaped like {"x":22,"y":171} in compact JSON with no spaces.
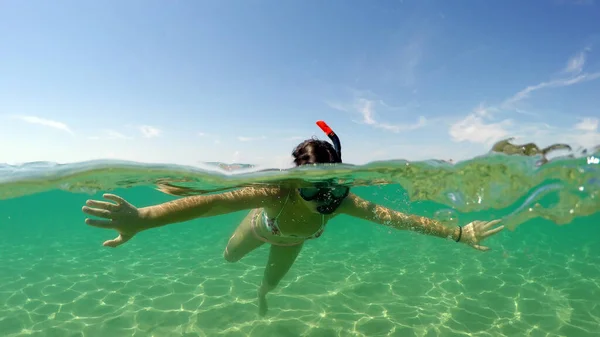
{"x":320,"y":231}
{"x":285,"y":203}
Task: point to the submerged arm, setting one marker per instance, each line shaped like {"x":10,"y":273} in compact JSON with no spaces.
{"x":129,"y":220}
{"x":188,"y":208}
{"x":370,"y":211}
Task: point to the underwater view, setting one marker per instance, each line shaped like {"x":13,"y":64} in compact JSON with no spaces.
{"x":540,"y":277}
{"x":268,"y":168}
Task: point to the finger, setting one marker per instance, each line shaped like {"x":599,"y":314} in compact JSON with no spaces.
{"x":101,"y":213}
{"x":115,"y":198}
{"x":490,"y":224}
{"x":481,"y":248}
{"x":99,"y":223}
{"x":492,"y":231}
{"x":119,"y":240}
{"x":103,"y":205}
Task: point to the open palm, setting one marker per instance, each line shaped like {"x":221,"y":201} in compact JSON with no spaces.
{"x":477,"y":231}
{"x":120,"y":216}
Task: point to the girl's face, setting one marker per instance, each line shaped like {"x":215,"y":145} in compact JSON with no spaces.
{"x":323,"y":199}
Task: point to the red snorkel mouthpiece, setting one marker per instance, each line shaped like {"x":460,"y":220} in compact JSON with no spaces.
{"x":325,"y":127}
{"x":334,"y":138}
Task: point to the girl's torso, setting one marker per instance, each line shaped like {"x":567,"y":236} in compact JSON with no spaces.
{"x":290,"y":220}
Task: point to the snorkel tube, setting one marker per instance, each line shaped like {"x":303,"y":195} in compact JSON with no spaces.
{"x":334,"y":138}
{"x":333,"y":204}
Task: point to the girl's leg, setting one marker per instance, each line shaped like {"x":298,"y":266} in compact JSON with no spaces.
{"x":243,"y":240}
{"x":281,"y":259}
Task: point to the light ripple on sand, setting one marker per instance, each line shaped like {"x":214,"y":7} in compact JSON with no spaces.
{"x":393,"y":284}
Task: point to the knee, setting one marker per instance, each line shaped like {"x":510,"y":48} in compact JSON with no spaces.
{"x":230,"y":257}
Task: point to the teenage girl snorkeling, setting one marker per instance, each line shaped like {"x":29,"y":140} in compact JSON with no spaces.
{"x":284,"y":217}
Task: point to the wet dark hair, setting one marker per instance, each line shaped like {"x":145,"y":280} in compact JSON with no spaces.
{"x":315,"y":151}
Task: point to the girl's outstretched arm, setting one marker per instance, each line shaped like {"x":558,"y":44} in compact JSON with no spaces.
{"x":129,"y":220}
{"x":188,"y":208}
{"x":367,"y":210}
{"x":471,"y":234}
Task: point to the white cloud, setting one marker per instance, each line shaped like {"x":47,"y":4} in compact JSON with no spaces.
{"x":366,"y":109}
{"x":586,"y":140}
{"x":573,"y":68}
{"x":585,"y":133}
{"x":150,"y":131}
{"x":479,"y":126}
{"x":587,"y":124}
{"x":573,"y":135}
{"x":563,"y":82}
{"x":45,"y":122}
{"x":478,"y":129}
{"x":576,"y":63}
{"x":473,"y":128}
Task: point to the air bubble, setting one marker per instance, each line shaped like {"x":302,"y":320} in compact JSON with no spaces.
{"x":448,"y":217}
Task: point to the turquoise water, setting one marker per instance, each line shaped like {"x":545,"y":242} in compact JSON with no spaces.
{"x":541,"y":278}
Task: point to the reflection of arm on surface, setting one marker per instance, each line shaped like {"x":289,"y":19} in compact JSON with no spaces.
{"x":364,"y":209}
{"x":181,"y":191}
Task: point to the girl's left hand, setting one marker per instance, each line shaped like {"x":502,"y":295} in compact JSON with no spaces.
{"x":477,"y":231}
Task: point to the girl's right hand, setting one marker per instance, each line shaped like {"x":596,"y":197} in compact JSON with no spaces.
{"x":123,"y":217}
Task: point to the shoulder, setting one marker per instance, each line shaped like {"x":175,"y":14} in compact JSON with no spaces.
{"x":246,"y":197}
{"x":266,"y":193}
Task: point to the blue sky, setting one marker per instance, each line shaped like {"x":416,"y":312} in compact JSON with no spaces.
{"x":244,"y":81}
